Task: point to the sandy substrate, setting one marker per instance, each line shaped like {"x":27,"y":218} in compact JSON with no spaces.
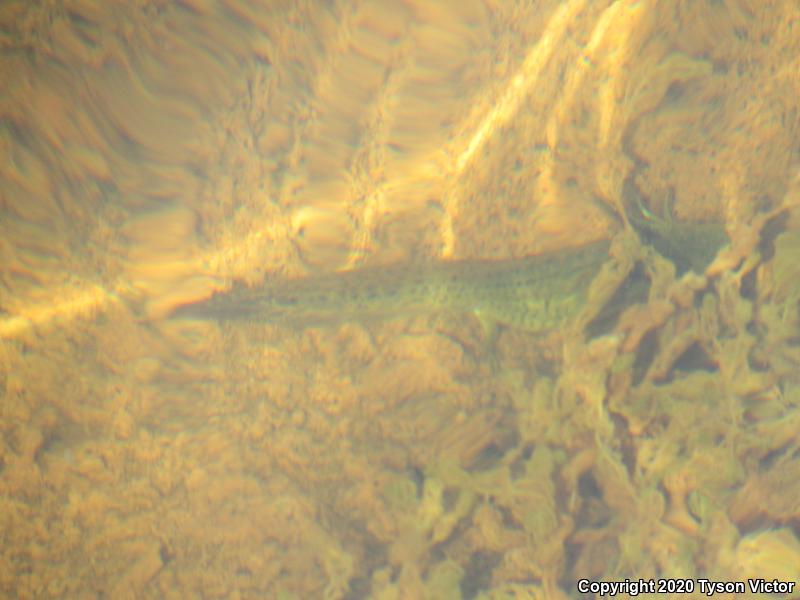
{"x":156,"y":152}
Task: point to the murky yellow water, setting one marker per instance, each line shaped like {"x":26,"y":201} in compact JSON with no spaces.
{"x":614,"y":182}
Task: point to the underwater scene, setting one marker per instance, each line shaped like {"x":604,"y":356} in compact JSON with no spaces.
{"x":400,"y":299}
